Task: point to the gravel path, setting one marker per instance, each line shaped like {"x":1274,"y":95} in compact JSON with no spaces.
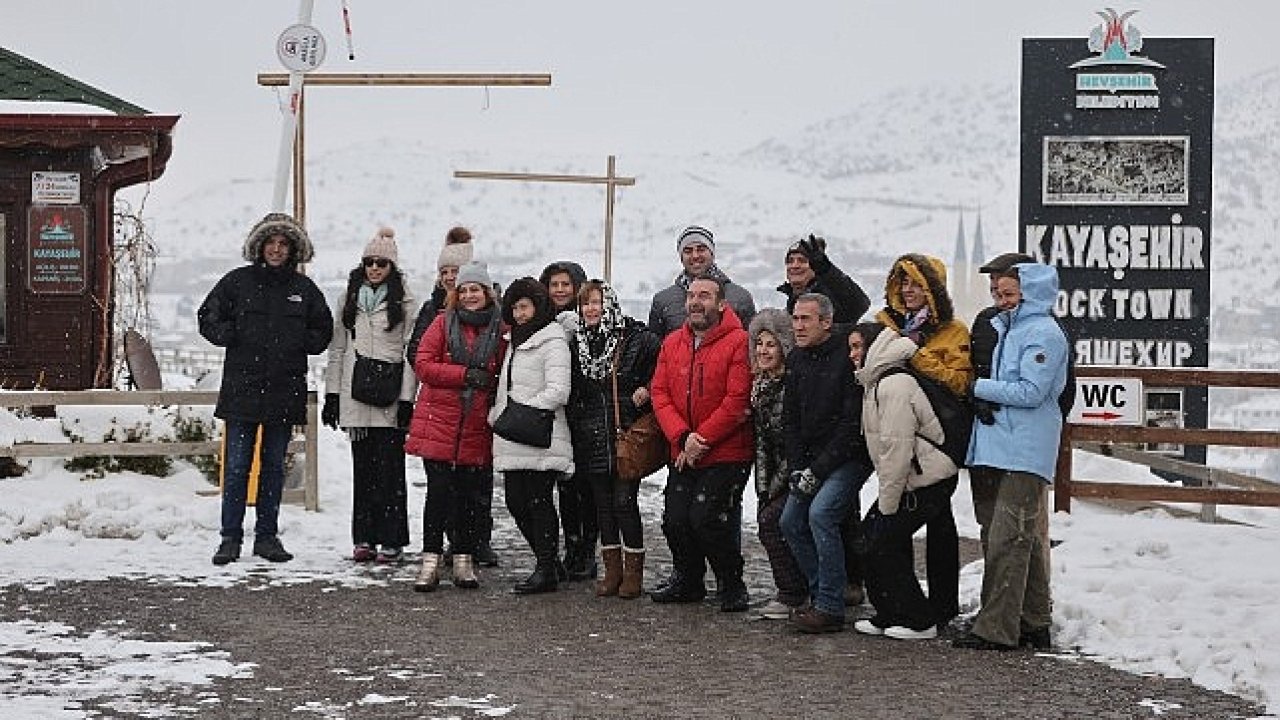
{"x":383,"y":651}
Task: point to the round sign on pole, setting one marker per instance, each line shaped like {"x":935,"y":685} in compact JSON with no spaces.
{"x":300,"y":48}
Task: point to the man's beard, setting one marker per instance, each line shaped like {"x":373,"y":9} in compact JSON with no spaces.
{"x":705,"y":321}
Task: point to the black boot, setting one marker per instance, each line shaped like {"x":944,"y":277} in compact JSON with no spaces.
{"x":570,"y":555}
{"x":681,"y":588}
{"x":542,"y":579}
{"x":582,"y":566}
{"x":228,"y":551}
{"x":733,"y":595}
{"x":484,"y":555}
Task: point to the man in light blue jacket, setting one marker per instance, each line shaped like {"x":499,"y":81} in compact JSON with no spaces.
{"x":1028,"y":372}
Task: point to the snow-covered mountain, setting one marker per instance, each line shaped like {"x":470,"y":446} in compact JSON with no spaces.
{"x":889,"y":177}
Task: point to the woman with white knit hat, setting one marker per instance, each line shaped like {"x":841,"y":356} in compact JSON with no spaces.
{"x":373,"y":322}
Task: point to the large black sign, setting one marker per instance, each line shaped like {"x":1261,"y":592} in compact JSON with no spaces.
{"x":1117,"y":189}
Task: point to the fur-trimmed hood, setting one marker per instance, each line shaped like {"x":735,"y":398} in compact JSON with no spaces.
{"x":282,"y":224}
{"x":778,"y":323}
{"x":931,"y":273}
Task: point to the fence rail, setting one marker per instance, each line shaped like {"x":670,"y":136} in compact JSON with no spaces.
{"x":308,"y":494}
{"x":1243,"y":490}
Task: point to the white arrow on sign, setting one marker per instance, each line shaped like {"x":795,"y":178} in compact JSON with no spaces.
{"x":1107,"y":401}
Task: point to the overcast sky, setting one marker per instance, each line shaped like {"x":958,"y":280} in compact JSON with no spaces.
{"x":640,"y":77}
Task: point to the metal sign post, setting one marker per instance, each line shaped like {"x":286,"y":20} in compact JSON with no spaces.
{"x":301,"y":49}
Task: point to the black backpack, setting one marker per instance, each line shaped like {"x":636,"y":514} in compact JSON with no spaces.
{"x":954,"y":414}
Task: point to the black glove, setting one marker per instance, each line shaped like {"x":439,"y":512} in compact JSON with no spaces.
{"x":985,"y":411}
{"x":329,"y":413}
{"x":479,"y":378}
{"x":815,"y":248}
{"x":805,"y":483}
{"x":404,"y":414}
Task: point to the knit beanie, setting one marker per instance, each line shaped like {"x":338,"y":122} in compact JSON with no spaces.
{"x":695,"y":235}
{"x":454,"y":256}
{"x":383,"y":245}
{"x":474,"y":272}
{"x":457,"y":250}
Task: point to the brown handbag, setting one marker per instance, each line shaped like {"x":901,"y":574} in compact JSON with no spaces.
{"x":640,"y":450}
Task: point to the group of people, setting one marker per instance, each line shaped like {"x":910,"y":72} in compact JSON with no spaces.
{"x":534,"y":383}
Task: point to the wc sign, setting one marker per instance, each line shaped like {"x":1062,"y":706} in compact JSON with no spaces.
{"x":1107,"y":401}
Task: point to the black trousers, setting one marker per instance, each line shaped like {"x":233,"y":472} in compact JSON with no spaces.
{"x":578,"y":512}
{"x":456,"y":496}
{"x":618,"y":511}
{"x":529,"y":500}
{"x":701,"y":520}
{"x":378,"y":512}
{"x":891,"y":576}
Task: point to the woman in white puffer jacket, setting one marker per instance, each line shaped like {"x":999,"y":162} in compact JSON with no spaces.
{"x":538,"y":372}
{"x":916,"y":483}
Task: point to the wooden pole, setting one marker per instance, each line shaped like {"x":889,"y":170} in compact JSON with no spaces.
{"x":610,"y":180}
{"x":413,"y":79}
{"x":299,"y":164}
{"x":608,"y":223}
{"x":295,"y":120}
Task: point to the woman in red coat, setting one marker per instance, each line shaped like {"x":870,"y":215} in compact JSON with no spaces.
{"x":457,"y":364}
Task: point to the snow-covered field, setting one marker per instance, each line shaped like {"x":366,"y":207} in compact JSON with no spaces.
{"x":1147,"y":592}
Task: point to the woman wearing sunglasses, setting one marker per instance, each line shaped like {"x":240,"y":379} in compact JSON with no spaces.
{"x":373,"y":323}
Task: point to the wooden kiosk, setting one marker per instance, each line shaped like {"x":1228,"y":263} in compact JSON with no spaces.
{"x":58,"y":177}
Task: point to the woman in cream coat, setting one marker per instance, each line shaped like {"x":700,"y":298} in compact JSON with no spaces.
{"x":916,"y":483}
{"x":373,"y":320}
{"x":538,"y":372}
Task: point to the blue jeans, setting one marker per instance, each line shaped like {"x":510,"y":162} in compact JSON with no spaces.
{"x":812,"y":529}
{"x":240,"y":438}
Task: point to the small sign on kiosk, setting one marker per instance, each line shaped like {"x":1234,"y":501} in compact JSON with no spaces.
{"x":55,"y":188}
{"x":56,"y":245}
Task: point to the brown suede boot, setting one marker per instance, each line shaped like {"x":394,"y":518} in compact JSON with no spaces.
{"x":608,"y":585}
{"x":632,"y":574}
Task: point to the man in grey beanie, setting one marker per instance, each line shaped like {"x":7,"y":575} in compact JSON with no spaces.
{"x":696,"y":247}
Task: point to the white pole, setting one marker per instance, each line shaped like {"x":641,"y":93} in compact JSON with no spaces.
{"x":289,"y":123}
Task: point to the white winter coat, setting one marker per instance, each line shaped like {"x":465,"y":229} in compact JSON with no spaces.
{"x":372,"y":339}
{"x":896,"y":419}
{"x":541,"y":374}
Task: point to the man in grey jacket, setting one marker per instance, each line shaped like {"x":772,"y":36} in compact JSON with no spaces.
{"x":696,"y":247}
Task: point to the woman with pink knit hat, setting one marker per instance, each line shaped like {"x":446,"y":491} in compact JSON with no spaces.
{"x":373,"y":324}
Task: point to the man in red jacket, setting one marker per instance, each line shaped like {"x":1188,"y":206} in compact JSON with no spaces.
{"x":701,"y":393}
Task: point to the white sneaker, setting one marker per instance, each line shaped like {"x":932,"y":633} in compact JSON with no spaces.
{"x":866,"y":627}
{"x":776,"y":610}
{"x":905,"y":633}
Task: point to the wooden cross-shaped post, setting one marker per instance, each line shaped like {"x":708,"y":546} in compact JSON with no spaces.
{"x":610,"y":180}
{"x":384,"y":80}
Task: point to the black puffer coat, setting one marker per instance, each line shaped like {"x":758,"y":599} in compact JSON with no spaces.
{"x":590,"y":406}
{"x":269,"y":320}
{"x":822,"y":409}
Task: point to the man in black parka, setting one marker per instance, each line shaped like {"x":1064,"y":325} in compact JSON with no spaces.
{"x":269,"y":317}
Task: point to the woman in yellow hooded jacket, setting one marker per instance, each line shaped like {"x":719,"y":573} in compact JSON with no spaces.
{"x":918,"y":306}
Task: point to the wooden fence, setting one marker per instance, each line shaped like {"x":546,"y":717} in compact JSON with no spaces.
{"x":1216,"y":486}
{"x":308,"y":494}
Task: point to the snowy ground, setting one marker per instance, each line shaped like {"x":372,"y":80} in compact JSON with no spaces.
{"x":1147,"y":592}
